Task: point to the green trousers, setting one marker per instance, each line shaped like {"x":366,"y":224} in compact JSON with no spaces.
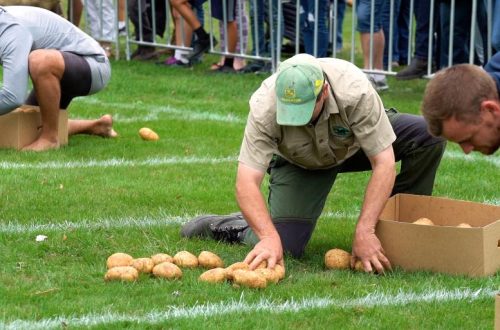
{"x":297,"y":196}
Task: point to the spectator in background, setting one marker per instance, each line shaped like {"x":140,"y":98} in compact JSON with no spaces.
{"x":363,"y":11}
{"x":495,"y":35}
{"x":241,"y":16}
{"x":419,"y":63}
{"x":183,"y":36}
{"x":309,"y":21}
{"x":101,"y":22}
{"x":144,"y":32}
{"x":75,"y":9}
{"x":201,"y":42}
{"x":395,"y":33}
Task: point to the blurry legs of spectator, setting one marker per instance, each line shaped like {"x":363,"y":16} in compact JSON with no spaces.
{"x":75,"y":8}
{"x":308,"y":21}
{"x":101,"y":22}
{"x":395,"y":33}
{"x":261,"y":43}
{"x":183,"y":37}
{"x":340,"y":20}
{"x":122,"y":30}
{"x":495,"y":29}
{"x":418,"y":65}
{"x":403,"y":23}
{"x":232,"y":32}
{"x":201,"y":43}
{"x":241,"y":45}
{"x":363,"y":11}
{"x":142,"y":52}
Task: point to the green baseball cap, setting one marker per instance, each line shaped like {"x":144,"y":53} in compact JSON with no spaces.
{"x":299,"y":81}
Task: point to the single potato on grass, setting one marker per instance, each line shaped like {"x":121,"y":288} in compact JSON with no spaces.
{"x":167,"y":270}
{"x":236,"y":266}
{"x":249,"y":278}
{"x":148,"y":134}
{"x":143,"y":265}
{"x":185,"y":259}
{"x":161,"y":257}
{"x":337,"y":259}
{"x":214,"y":275}
{"x":119,"y":259}
{"x":122,"y":273}
{"x":210,"y":260}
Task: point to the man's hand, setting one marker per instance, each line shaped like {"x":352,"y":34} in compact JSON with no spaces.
{"x":269,"y":249}
{"x":367,"y":248}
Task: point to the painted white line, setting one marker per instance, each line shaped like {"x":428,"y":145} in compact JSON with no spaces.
{"x":161,"y":220}
{"x":473,"y":157}
{"x":114,"y":162}
{"x":237,"y":307}
{"x":152,"y":112}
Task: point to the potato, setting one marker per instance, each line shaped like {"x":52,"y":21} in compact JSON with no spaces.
{"x":143,"y":265}
{"x":424,"y":221}
{"x":121,"y":273}
{"x":280,"y":270}
{"x":161,"y":257}
{"x":249,"y":278}
{"x":464,"y":225}
{"x":167,"y":270}
{"x":185,"y":259}
{"x":214,"y":275}
{"x":237,"y":265}
{"x":210,"y":260}
{"x":263,"y":264}
{"x":148,"y":134}
{"x":271,"y":275}
{"x":358,"y":266}
{"x":337,"y":259}
{"x":119,"y":259}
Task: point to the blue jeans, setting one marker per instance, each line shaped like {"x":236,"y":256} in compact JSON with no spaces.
{"x":495,"y":35}
{"x":363,"y":12}
{"x":262,"y":46}
{"x":307,"y":22}
{"x":395,"y":33}
{"x":340,"y":20}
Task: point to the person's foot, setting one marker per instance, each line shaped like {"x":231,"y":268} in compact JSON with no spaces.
{"x":144,"y":53}
{"x":379,"y":85}
{"x":42,"y":144}
{"x":416,"y":69}
{"x":104,"y":127}
{"x":172,"y":61}
{"x":219,"y":227}
{"x":201,"y":46}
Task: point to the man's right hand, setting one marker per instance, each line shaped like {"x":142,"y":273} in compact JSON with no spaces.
{"x":269,"y":249}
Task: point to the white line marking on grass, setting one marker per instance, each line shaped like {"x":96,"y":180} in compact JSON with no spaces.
{"x":238,"y":307}
{"x":475,"y":157}
{"x":114,"y":162}
{"x":151,"y":112}
{"x":10,"y":227}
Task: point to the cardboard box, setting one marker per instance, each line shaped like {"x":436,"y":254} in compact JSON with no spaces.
{"x":443,"y":247}
{"x":23,"y":126}
{"x":497,"y":311}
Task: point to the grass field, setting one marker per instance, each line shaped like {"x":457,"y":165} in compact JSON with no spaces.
{"x":97,"y":196}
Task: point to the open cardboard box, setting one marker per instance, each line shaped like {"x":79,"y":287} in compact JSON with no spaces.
{"x":444,"y":247}
{"x":22,"y":126}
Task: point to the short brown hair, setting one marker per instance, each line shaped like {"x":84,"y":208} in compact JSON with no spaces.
{"x":456,"y":92}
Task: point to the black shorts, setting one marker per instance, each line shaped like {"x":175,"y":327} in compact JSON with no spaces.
{"x":218,"y":10}
{"x":76,"y":80}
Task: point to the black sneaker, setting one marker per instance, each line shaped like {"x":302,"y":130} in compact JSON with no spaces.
{"x":416,"y":69}
{"x":201,"y":46}
{"x":227,"y":228}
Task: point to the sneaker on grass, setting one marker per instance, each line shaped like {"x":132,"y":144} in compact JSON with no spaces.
{"x":229,"y":228}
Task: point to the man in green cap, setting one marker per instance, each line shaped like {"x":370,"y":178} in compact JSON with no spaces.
{"x":311,"y":120}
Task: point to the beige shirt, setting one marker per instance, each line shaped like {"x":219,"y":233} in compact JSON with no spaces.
{"x":353,"y":117}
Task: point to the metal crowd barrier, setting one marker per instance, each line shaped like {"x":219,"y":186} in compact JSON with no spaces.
{"x":282,"y":21}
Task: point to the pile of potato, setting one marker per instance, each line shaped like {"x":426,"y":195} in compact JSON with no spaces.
{"x":123,"y":267}
{"x":429,"y":222}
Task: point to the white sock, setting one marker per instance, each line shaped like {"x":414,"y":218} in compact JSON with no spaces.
{"x":378,"y":77}
{"x":181,"y":55}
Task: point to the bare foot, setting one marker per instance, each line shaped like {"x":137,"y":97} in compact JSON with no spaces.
{"x":41,"y":144}
{"x":104,"y":127}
